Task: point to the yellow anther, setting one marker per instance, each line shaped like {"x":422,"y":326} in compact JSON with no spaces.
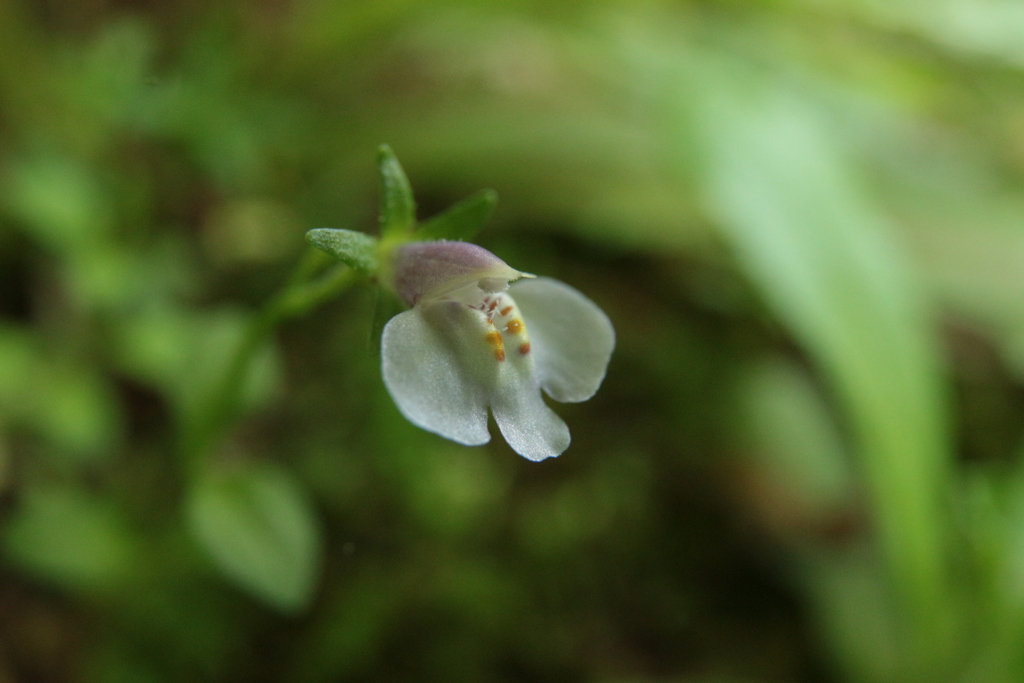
{"x":494,"y":339}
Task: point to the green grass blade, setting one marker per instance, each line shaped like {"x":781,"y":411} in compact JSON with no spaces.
{"x":823,"y":257}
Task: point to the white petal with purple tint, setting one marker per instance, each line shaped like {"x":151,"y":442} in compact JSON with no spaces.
{"x":572,"y":338}
{"x":471,"y":343}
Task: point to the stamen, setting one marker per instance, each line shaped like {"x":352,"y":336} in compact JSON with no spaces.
{"x":524,"y":348}
{"x":505,"y":311}
{"x":494,"y":339}
{"x":515,"y":326}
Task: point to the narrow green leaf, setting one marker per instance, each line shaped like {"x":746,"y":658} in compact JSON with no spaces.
{"x":258,"y":527}
{"x":462,"y":221}
{"x":355,"y":249}
{"x":823,"y":255}
{"x":397,"y":207}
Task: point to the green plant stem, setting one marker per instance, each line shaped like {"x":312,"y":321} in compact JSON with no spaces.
{"x":297,"y":298}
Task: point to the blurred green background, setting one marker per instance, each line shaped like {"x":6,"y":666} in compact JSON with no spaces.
{"x":804,"y":217}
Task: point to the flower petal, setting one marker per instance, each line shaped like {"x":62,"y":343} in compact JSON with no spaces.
{"x":532,"y":429}
{"x":429,"y":270}
{"x":572,"y":338}
{"x":425,"y":377}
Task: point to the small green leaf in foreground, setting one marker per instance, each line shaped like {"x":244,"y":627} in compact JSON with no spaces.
{"x":257,"y":526}
{"x":70,"y":538}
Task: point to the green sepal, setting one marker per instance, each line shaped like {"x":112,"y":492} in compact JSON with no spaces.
{"x":397,"y":206}
{"x":355,"y":249}
{"x":461,"y":221}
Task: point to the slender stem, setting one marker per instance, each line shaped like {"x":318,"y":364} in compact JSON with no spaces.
{"x":296,"y":299}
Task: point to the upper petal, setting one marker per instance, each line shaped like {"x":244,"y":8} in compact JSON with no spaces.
{"x":429,"y":270}
{"x":572,"y":339}
{"x":532,"y":429}
{"x":426,"y":377}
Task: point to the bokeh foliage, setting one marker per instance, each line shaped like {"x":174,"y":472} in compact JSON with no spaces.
{"x":804,"y":218}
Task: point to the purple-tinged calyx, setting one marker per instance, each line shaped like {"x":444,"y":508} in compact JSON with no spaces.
{"x":433,"y":270}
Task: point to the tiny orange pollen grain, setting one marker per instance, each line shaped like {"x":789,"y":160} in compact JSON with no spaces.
{"x":524,"y":348}
{"x":505,"y":311}
{"x":494,"y":339}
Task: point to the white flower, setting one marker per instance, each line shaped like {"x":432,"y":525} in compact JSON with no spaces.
{"x":472,"y":342}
